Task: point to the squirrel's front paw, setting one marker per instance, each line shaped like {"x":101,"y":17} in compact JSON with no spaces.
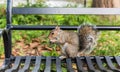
{"x":62,"y":57}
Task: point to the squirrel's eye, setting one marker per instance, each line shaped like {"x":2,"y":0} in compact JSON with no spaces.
{"x":52,"y":33}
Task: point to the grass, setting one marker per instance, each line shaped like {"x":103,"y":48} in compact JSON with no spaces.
{"x":108,"y":44}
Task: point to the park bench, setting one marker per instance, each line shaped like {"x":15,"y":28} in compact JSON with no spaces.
{"x":12,"y":63}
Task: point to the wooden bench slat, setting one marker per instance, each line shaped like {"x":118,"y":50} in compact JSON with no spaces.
{"x":69,"y":65}
{"x":37,"y":64}
{"x":17,"y":62}
{"x":99,"y":63}
{"x":16,"y":65}
{"x":90,"y":64}
{"x":26,"y":65}
{"x":58,"y":64}
{"x":95,"y":11}
{"x":110,"y":64}
{"x":48,"y":64}
{"x":117,"y":58}
{"x":79,"y":64}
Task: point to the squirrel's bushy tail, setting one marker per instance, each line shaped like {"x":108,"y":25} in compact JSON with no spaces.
{"x":88,"y":37}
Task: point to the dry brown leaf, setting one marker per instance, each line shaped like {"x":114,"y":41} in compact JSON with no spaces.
{"x":34,"y":45}
{"x":26,"y":46}
{"x":48,"y":48}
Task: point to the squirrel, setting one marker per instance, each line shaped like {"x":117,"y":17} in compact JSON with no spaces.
{"x":72,"y":43}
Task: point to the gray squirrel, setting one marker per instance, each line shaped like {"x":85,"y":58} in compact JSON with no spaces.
{"x":75,"y":44}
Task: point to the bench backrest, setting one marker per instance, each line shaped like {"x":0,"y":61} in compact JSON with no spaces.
{"x":17,"y":10}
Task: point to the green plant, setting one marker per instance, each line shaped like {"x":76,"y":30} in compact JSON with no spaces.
{"x":51,"y":53}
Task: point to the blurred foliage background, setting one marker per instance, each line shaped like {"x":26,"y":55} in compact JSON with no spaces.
{"x":108,"y":43}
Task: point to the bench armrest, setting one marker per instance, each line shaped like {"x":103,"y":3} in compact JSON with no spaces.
{"x":6,"y":41}
{"x":7,"y":48}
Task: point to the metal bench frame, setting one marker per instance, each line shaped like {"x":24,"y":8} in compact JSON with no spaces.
{"x":6,"y":33}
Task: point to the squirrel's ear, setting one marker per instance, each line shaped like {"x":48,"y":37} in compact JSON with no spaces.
{"x":57,"y":28}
